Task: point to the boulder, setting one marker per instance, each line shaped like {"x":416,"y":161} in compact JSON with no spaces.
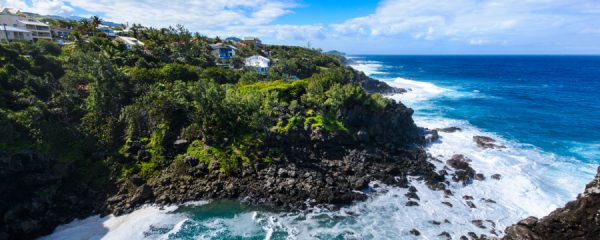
{"x":449,"y":129}
{"x":486,"y":142}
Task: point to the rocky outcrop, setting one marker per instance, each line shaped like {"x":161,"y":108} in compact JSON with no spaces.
{"x":314,"y":167}
{"x":375,"y":86}
{"x":486,"y":142}
{"x":577,"y":220}
{"x":372,"y":85}
{"x":40,"y":192}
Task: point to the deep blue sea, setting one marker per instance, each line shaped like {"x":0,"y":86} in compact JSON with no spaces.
{"x":545,"y":111}
{"x":552,"y":102}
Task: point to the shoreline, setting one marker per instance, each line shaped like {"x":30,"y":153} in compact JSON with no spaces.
{"x":500,"y":228}
{"x":330,"y":170}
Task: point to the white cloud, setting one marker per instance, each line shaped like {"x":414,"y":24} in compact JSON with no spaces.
{"x":196,"y":14}
{"x":46,"y":7}
{"x":400,"y":24}
{"x":475,"y":22}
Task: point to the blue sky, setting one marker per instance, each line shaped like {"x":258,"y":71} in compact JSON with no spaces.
{"x":367,"y":26}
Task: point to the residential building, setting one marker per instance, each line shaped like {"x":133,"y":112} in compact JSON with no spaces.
{"x":107,"y":30}
{"x":252,"y":41}
{"x":223,"y":54}
{"x":11,"y":34}
{"x":61,"y":33}
{"x":223,"y":51}
{"x":16,"y":19}
{"x":258,"y":63}
{"x":233,"y":39}
{"x":129,"y":42}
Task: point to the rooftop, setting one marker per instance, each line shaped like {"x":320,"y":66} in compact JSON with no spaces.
{"x":36,"y":23}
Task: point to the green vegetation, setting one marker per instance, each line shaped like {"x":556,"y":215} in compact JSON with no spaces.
{"x":95,"y":104}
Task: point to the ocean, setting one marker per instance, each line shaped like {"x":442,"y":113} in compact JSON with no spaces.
{"x":544,"y":109}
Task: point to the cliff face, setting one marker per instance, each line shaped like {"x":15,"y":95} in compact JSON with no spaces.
{"x":325,"y":167}
{"x":579,"y":219}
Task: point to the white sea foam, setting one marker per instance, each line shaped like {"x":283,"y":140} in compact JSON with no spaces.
{"x":136,"y":225}
{"x":368,"y":67}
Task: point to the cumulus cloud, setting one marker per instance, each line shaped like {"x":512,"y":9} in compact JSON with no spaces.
{"x":546,"y":24}
{"x":475,"y":22}
{"x":196,"y":14}
{"x":47,"y":7}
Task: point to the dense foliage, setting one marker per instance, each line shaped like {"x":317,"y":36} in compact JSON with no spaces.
{"x":95,"y":104}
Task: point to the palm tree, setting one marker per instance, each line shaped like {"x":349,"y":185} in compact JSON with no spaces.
{"x":84,"y":25}
{"x":94,"y":22}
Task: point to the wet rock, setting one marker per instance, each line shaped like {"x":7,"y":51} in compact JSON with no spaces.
{"x":412,"y":204}
{"x":360,"y":184}
{"x":449,"y":129}
{"x":412,"y":195}
{"x":435,"y":222}
{"x":491,"y":223}
{"x":479,"y":177}
{"x":579,"y":219}
{"x":486,"y":142}
{"x":415,"y":232}
{"x":445,"y":235}
{"x":463,"y":171}
{"x":528,"y":222}
{"x":432,"y":136}
{"x":464,"y":238}
{"x":478,"y":223}
{"x":448,"y":192}
{"x":473,"y":235}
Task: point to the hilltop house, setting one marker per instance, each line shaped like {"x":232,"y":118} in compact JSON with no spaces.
{"x":258,"y":63}
{"x":252,"y":41}
{"x":107,"y":30}
{"x":233,"y":39}
{"x":16,"y":26}
{"x":223,"y":53}
{"x":129,"y":42}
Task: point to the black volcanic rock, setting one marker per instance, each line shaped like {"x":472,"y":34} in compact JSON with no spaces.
{"x":577,"y":220}
{"x":463,"y":170}
{"x":486,"y":142}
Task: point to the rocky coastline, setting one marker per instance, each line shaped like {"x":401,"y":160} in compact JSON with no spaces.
{"x":577,"y":220}
{"x":314,"y":167}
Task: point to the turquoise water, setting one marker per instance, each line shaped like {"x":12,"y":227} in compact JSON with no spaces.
{"x":545,"y":110}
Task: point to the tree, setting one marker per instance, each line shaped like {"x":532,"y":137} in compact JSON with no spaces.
{"x":94,"y":22}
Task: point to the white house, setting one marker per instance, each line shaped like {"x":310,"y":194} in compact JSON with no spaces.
{"x":107,"y":30}
{"x":258,"y":63}
{"x":12,"y":19}
{"x":129,"y":42}
{"x":11,"y":34}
